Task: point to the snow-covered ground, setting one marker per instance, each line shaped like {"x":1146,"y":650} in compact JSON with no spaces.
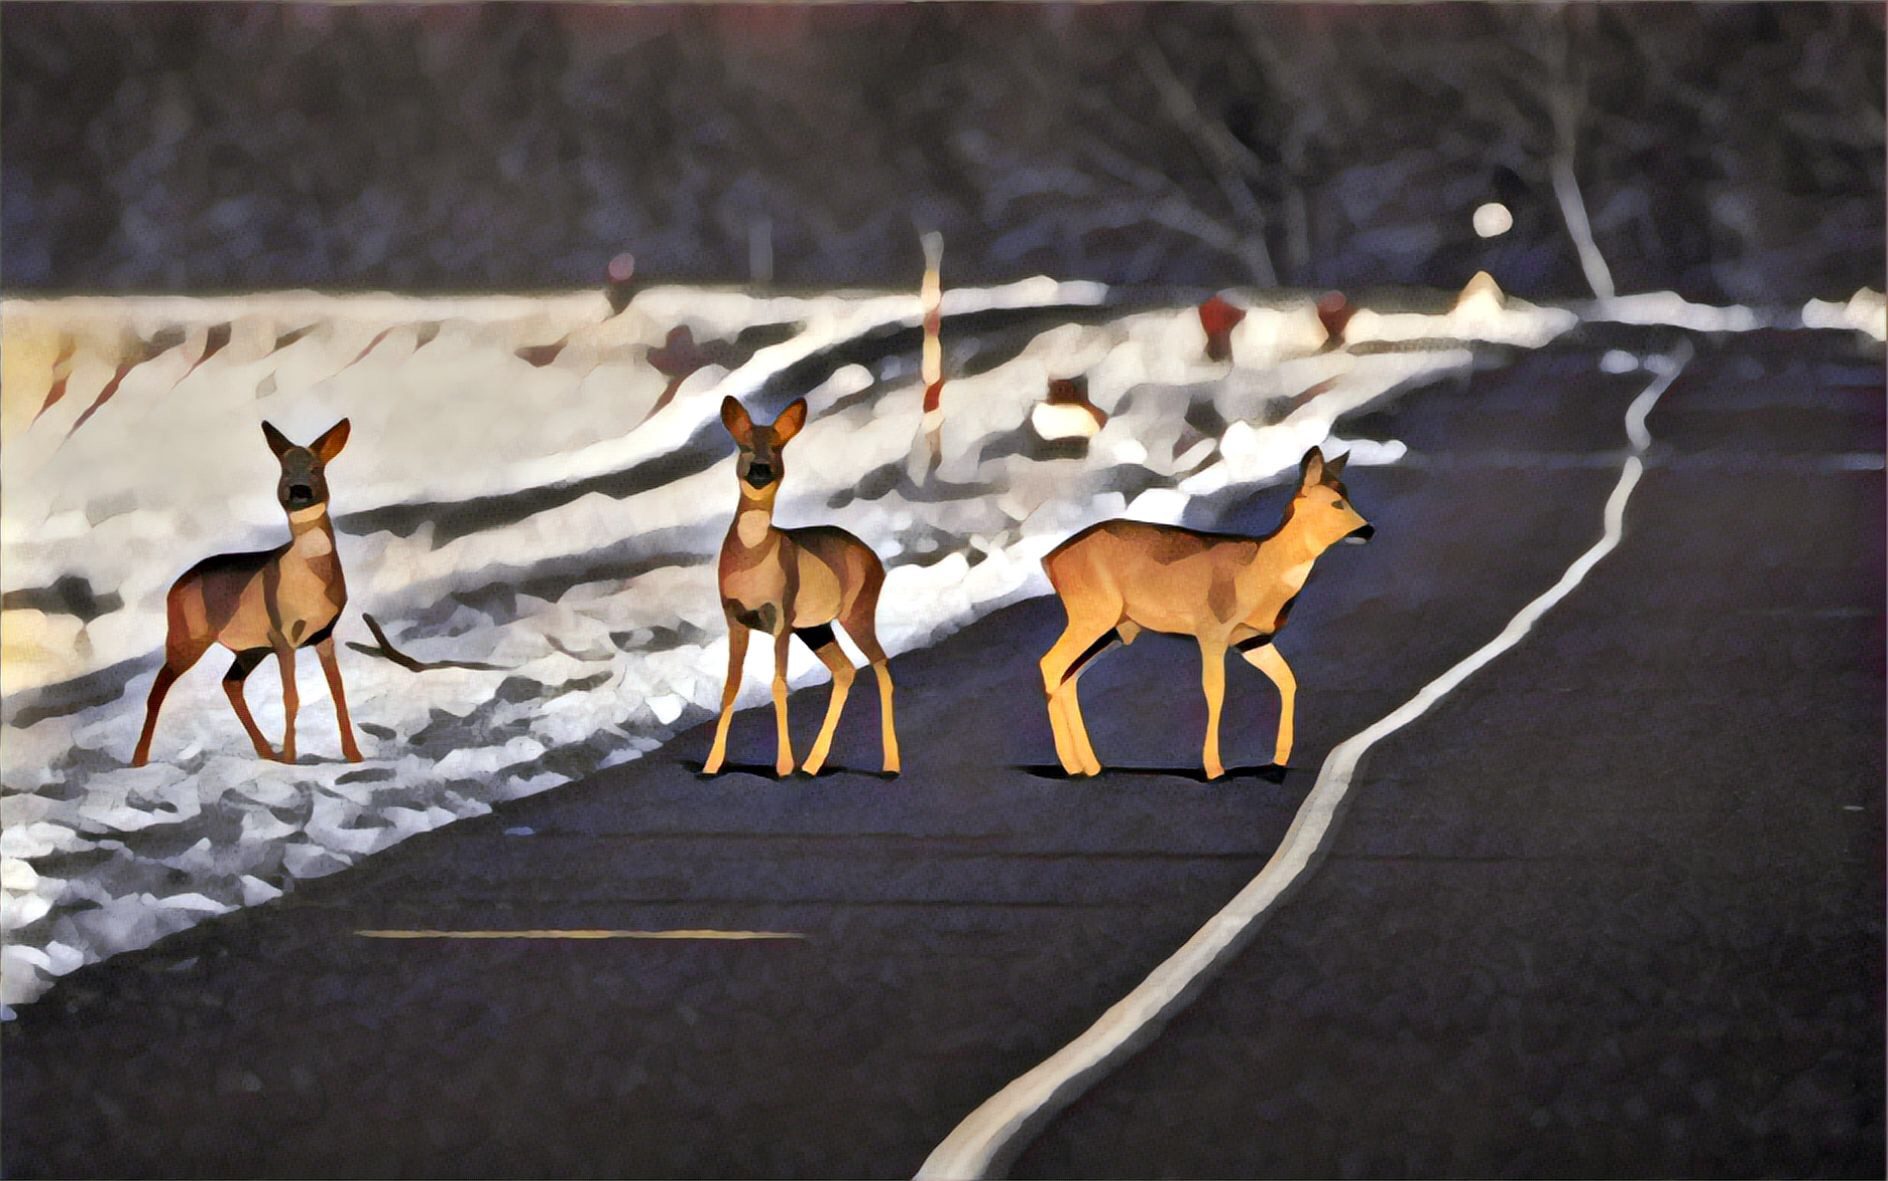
{"x":535,"y":520}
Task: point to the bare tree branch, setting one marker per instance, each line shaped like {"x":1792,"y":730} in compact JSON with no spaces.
{"x":1173,"y":208}
{"x":1565,"y":101}
{"x":1229,"y":159}
{"x":387,"y":651}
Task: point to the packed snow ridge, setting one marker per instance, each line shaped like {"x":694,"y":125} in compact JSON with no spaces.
{"x":518,"y":512}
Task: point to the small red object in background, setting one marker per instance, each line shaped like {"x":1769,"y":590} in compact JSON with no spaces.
{"x":1219,"y":318}
{"x":1064,"y":391}
{"x":540,"y":355}
{"x":621,"y":285}
{"x":679,"y":355}
{"x":1073,"y":391}
{"x":1334,"y":312}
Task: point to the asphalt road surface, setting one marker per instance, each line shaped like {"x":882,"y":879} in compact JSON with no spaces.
{"x":1615,"y":906}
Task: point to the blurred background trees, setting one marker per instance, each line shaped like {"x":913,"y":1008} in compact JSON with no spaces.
{"x":1731,"y":152}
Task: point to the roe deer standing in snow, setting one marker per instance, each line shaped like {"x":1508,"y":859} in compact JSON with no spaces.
{"x":1119,"y":577}
{"x":270,"y":601}
{"x":789,"y":582}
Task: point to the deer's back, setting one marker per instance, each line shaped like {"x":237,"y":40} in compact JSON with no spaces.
{"x":1164,"y":577}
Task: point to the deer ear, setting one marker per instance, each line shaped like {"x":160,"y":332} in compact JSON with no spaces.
{"x":790,"y":421}
{"x":1334,"y":468}
{"x":278,"y":442}
{"x":1311,"y":468}
{"x":331,"y":441}
{"x":734,"y":417}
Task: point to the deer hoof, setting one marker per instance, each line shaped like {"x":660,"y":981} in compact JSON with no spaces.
{"x":1215,"y":771}
{"x":783,"y":767}
{"x":353,"y":756}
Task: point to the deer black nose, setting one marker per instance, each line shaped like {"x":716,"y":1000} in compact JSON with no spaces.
{"x":300,"y":492}
{"x":1361,"y":534}
{"x":760,"y":475}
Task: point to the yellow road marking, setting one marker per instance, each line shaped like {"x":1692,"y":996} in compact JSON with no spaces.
{"x":581,"y":934}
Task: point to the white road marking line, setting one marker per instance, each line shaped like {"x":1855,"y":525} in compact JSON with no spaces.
{"x":579,"y":934}
{"x":992,"y":1129}
{"x":1642,"y":405}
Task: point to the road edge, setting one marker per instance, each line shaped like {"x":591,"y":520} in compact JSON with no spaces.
{"x":994,"y":1133}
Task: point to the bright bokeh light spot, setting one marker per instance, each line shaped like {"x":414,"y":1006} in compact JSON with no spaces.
{"x":1493,"y":220}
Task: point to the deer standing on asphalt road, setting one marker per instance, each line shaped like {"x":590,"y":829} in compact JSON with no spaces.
{"x":1120,"y":577}
{"x":794,"y":582}
{"x":270,"y":602}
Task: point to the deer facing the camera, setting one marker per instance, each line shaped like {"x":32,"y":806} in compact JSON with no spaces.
{"x":794,"y":582}
{"x":1119,"y":578}
{"x":270,"y":602}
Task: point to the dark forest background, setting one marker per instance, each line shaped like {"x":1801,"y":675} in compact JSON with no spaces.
{"x":1732,"y":152}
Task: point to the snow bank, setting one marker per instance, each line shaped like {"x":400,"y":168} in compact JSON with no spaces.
{"x":525,"y":517}
{"x":1865,"y":311}
{"x":1670,"y":308}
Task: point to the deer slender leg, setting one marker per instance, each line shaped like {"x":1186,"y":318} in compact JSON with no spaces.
{"x":737,"y":656}
{"x":239,"y":670}
{"x":887,"y":731}
{"x":783,"y":753}
{"x":1079,"y":643}
{"x":325,"y":650}
{"x":166,"y":677}
{"x":833,"y":657}
{"x":1053,"y":664}
{"x":1213,"y":680}
{"x":1078,"y":727}
{"x":1268,"y":661}
{"x":1065,"y":751}
{"x":1072,"y":700}
{"x":182,"y":649}
{"x":861,"y":624}
{"x":1124,"y":633}
{"x":291,"y":700}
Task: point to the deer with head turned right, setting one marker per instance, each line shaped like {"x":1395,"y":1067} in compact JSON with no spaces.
{"x":265,"y":603}
{"x":1119,"y":577}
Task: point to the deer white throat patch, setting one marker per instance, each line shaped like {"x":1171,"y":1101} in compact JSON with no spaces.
{"x":1294,"y":576}
{"x":751,"y":527}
